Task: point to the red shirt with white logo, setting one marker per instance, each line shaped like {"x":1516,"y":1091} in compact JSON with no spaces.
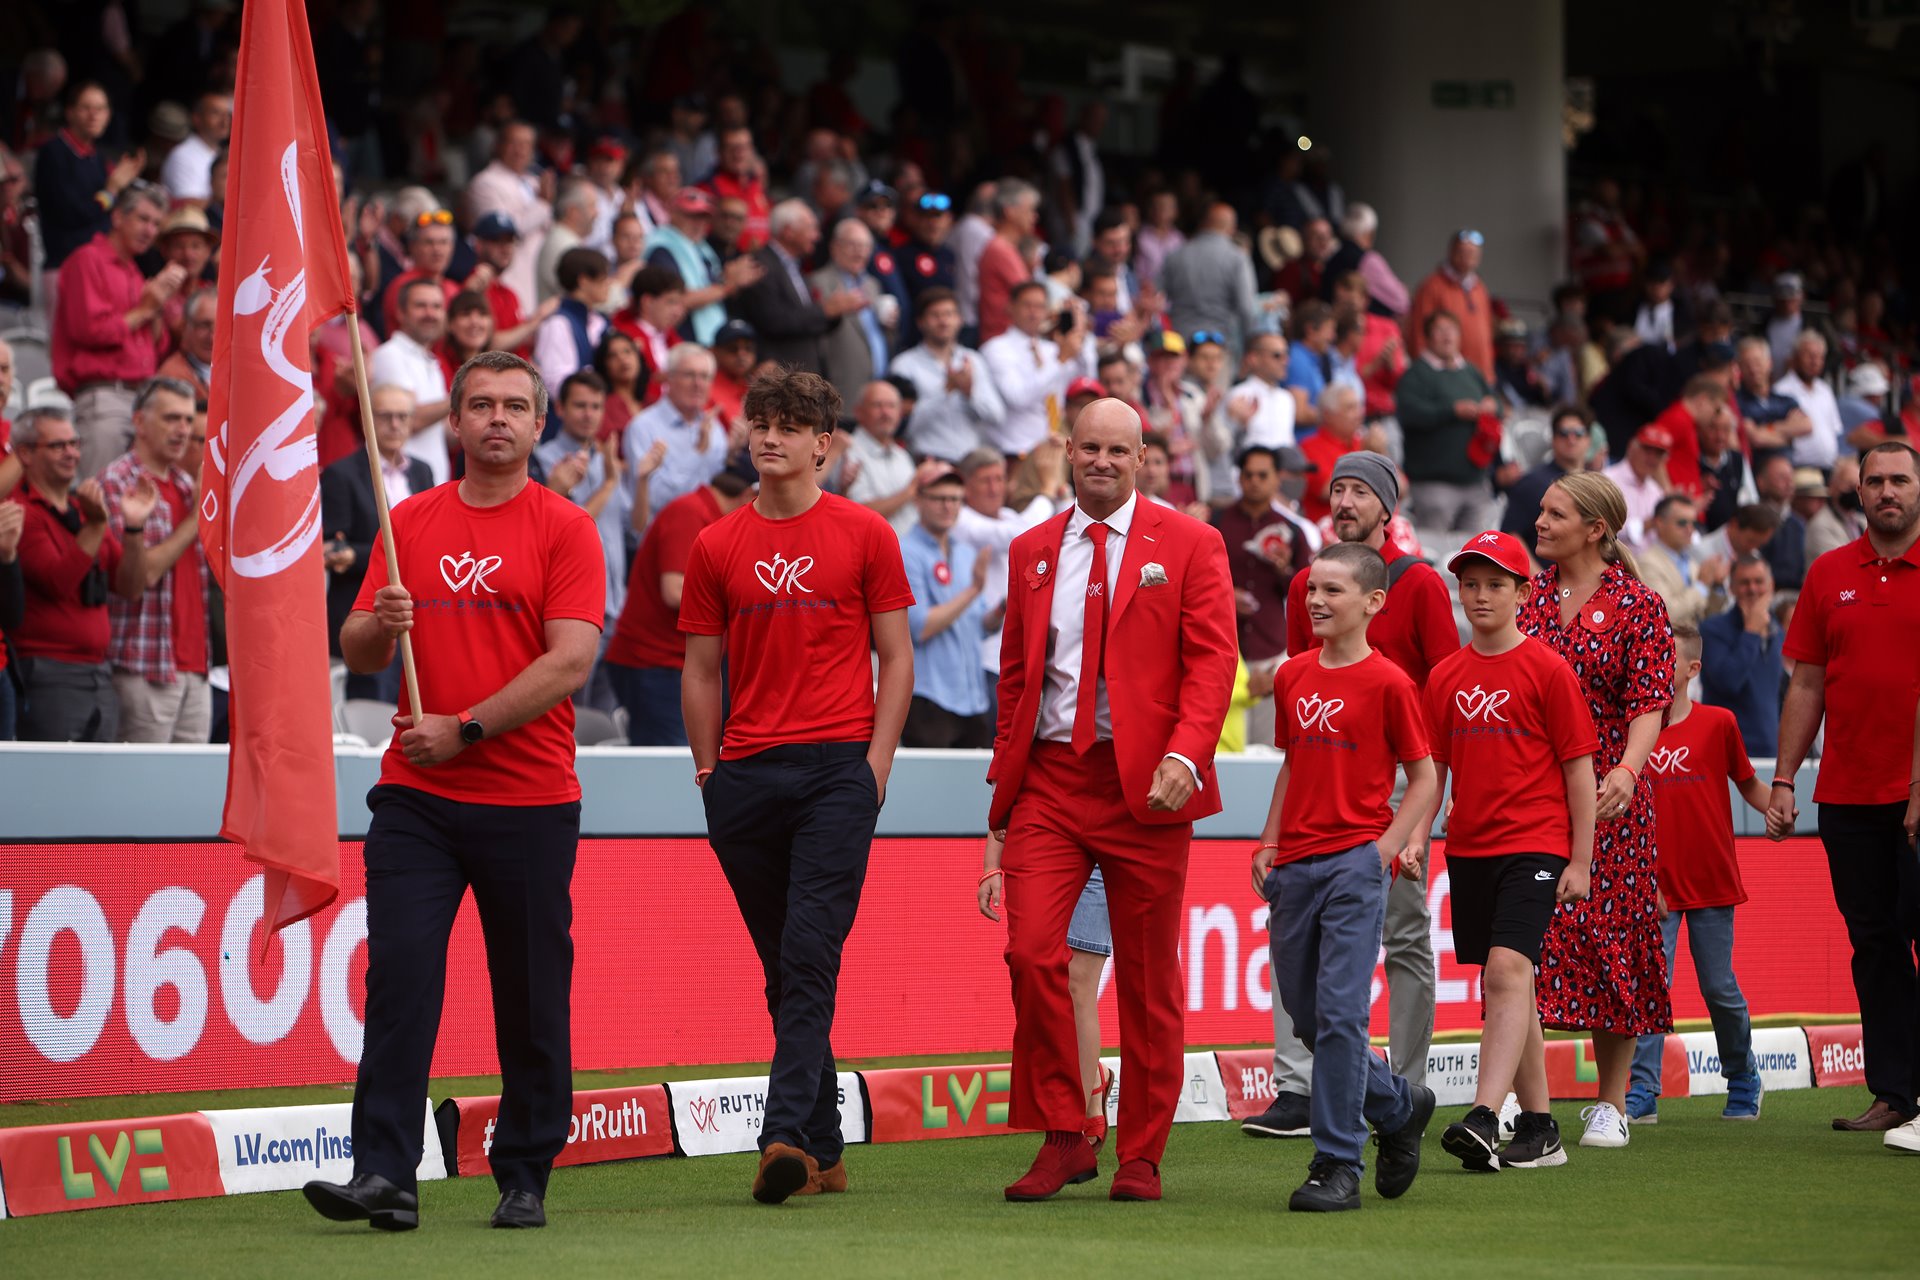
{"x":794,"y":599}
{"x":1690,"y":768}
{"x":1859,"y":617}
{"x":1503,"y":724}
{"x":1343,"y":729}
{"x":648,"y":633}
{"x":485,"y":582}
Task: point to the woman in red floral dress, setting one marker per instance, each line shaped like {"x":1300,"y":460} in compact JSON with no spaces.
{"x":1601,"y":967}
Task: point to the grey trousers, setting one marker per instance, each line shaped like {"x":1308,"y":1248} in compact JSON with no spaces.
{"x":69,"y":702}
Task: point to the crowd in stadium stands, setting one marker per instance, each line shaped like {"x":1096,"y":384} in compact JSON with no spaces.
{"x":651,"y":231}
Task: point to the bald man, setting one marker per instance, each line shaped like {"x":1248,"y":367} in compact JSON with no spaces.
{"x":1091,"y":771}
{"x":1209,"y":281}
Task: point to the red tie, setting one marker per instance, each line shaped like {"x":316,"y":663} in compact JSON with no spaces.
{"x":1092,"y":642}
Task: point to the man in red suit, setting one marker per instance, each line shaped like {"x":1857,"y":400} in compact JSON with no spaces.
{"x":1090,"y":770}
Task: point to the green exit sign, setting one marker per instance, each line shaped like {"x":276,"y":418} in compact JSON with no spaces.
{"x":1462,"y":95}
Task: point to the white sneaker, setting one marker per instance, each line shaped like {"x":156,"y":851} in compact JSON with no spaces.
{"x":1509,"y":1112}
{"x":1605,"y":1126}
{"x":1905,"y":1137}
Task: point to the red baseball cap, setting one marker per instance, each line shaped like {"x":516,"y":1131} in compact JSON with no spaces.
{"x":1503,"y":549}
{"x":693,"y":200}
{"x":607,"y":149}
{"x":1085,"y":387}
{"x":1655,"y":436}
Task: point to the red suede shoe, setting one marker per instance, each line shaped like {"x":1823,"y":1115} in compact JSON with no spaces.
{"x":1064,"y":1160}
{"x":1136,"y":1180}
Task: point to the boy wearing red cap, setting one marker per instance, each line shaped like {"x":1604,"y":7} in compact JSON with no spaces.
{"x":1507,"y":716}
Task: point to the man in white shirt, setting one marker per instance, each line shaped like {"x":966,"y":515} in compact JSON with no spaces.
{"x":1031,"y":370}
{"x":1261,"y":406}
{"x":986,"y":521}
{"x":407,"y":360}
{"x":188,"y":167}
{"x":876,"y":470}
{"x":957,"y":398}
{"x":1642,"y":477}
{"x":1806,"y":388}
{"x":508,"y":186}
{"x":696,"y":440}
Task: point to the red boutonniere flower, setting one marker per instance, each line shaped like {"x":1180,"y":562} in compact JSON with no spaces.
{"x":1041,"y":569}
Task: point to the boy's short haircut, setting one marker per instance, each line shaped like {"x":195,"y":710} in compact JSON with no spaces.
{"x":577,"y":265}
{"x":1156,"y":440}
{"x":1363,"y":562}
{"x":1686,"y":642}
{"x":806,"y":399}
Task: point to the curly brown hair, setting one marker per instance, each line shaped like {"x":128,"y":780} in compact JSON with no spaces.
{"x":783,"y":394}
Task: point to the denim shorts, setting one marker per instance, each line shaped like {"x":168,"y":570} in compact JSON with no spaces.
{"x":1089,"y":930}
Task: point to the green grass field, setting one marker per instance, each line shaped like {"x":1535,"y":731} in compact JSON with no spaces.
{"x":1694,"y":1196}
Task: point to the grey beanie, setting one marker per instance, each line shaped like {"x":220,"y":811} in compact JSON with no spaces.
{"x":1374,"y":471}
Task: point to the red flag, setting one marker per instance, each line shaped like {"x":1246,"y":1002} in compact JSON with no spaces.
{"x":283,"y":269}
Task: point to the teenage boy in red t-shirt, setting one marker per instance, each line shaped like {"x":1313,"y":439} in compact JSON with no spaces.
{"x":1347,"y":716}
{"x":1698,"y":754}
{"x":504,"y":593}
{"x":791,"y":588}
{"x":1509,"y":720}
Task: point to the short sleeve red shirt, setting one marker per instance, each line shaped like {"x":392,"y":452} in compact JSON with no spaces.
{"x":1690,"y":768}
{"x":794,"y":599}
{"x":1858,"y":617}
{"x":648,"y":633}
{"x":485,"y":582}
{"x":1504,"y":724}
{"x":1343,"y":729}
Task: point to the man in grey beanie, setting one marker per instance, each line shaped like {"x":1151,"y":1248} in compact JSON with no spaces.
{"x":1416,"y":630}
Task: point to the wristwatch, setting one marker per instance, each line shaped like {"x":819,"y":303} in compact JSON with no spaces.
{"x":471,"y":730}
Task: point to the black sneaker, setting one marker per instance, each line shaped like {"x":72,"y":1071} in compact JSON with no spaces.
{"x":1536,"y":1143}
{"x":1474,"y":1140}
{"x":1288,"y":1117}
{"x":1399,"y":1159}
{"x":1331,"y":1187}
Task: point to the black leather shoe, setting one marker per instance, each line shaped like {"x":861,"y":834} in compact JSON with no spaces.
{"x":1331,"y":1187}
{"x":368,"y":1198}
{"x":520,"y":1209}
{"x":1399,"y":1159}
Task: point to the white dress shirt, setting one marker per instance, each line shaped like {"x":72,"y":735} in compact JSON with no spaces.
{"x":1027,"y":371}
{"x":998,"y":533}
{"x":1819,"y":447}
{"x":402,"y":362}
{"x":1642,"y":497}
{"x":1272,"y":422}
{"x":188,"y":169}
{"x":946,"y":424}
{"x":885,"y":469}
{"x":1066,"y":626}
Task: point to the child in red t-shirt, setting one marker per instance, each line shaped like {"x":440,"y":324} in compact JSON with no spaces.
{"x":796,"y":588}
{"x":1508,"y":718}
{"x":1698,"y":754}
{"x":1347,"y":716}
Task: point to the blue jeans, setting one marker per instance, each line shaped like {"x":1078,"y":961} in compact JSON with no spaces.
{"x":1327,"y":914}
{"x":1710,"y":938}
{"x":651,"y":696}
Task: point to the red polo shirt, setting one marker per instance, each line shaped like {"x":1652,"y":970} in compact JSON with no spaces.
{"x":1858,"y":617}
{"x":1415,"y":628}
{"x":57,"y":625}
{"x":91,"y":340}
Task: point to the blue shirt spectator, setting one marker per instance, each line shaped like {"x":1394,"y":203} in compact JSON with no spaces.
{"x":1740,"y":662}
{"x":948,"y":622}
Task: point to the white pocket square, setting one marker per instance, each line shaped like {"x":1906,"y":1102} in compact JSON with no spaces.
{"x":1152,"y":575}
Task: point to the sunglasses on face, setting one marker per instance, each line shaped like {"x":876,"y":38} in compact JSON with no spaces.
{"x":437,"y":218}
{"x":934,"y":202}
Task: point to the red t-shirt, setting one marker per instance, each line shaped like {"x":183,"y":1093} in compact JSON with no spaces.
{"x":1001,"y":268}
{"x":648,"y":633}
{"x":1690,"y":768}
{"x":1858,"y":617}
{"x":1683,"y":462}
{"x":189,"y":594}
{"x":1503,"y":725}
{"x":1343,"y":729}
{"x":1415,"y":629}
{"x":485,"y":582}
{"x":1323,"y":451}
{"x":794,"y":599}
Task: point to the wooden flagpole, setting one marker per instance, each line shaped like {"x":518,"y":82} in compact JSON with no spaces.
{"x":380,"y":505}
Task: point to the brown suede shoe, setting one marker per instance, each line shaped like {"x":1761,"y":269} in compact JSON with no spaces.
{"x":784,"y":1170}
{"x":829,"y":1181}
{"x":1877,"y":1118}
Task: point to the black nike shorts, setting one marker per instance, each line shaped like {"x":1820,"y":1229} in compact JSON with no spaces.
{"x":1505,"y":901}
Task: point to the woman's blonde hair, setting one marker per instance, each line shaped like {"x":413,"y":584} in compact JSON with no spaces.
{"x":1595,"y":497}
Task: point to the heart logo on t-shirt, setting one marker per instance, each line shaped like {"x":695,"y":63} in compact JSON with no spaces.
{"x":1663,"y":760}
{"x":782,"y":576}
{"x":458,"y":573}
{"x":1316,"y":714}
{"x":1481,"y":704}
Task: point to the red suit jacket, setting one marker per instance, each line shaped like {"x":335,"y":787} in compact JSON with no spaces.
{"x":1170,"y":657}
